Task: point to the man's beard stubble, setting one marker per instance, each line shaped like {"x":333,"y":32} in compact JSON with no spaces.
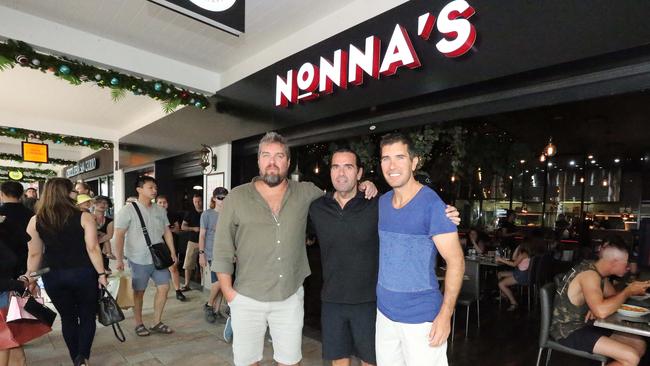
{"x":272,"y":180}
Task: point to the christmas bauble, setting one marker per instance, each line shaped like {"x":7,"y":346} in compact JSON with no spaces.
{"x":36,"y":62}
{"x":157,"y":87}
{"x":22,"y":59}
{"x":98,"y":77}
{"x":64,"y":69}
{"x":115,"y":81}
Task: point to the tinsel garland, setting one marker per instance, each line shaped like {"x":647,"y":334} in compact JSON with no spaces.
{"x":40,"y":173}
{"x":19,"y":158}
{"x":76,"y":72}
{"x":23,"y":134}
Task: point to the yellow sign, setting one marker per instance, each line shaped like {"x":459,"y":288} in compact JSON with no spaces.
{"x":35,"y":153}
{"x":16,"y":174}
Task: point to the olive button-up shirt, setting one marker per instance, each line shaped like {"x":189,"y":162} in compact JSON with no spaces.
{"x":270,"y":249}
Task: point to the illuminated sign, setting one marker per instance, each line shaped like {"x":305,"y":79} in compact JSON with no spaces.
{"x":348,"y":66}
{"x":227,"y":15}
{"x":35,"y":153}
{"x":15,"y":175}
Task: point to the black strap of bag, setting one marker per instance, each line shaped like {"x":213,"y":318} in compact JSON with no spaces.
{"x":109,"y":313}
{"x":160,"y":254}
{"x":144,"y":227}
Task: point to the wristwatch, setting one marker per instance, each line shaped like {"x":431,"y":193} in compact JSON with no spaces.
{"x":201,"y":251}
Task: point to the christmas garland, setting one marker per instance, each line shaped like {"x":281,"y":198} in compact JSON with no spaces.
{"x":23,"y":134}
{"x":19,"y":158}
{"x":75,"y":72}
{"x":35,"y":173}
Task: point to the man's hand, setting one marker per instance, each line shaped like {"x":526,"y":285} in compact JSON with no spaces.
{"x":637,"y":288}
{"x":589,"y":316}
{"x":440,"y":329}
{"x":453,"y":214}
{"x":119,"y":265}
{"x":202,"y":261}
{"x":369,"y":188}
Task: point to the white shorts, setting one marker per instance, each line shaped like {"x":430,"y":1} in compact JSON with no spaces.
{"x":401,"y":344}
{"x":284,"y":319}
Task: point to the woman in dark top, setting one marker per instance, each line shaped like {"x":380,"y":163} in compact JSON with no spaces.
{"x":104,"y":228}
{"x":8,"y":283}
{"x":65,"y":239}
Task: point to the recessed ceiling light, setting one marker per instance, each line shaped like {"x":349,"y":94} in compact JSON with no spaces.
{"x":372,"y":127}
{"x":617,"y":160}
{"x":197,"y":188}
{"x":572,"y":163}
{"x":593,"y":161}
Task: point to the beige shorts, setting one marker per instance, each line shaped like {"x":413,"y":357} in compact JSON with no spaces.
{"x":284,"y":319}
{"x":191,"y":255}
{"x":406,"y":344}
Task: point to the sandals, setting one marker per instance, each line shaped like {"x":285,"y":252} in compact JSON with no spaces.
{"x":161,"y":328}
{"x":185,"y":289}
{"x":512,"y":307}
{"x":142,"y":331}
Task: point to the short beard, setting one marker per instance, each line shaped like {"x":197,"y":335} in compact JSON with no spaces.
{"x":272,"y":180}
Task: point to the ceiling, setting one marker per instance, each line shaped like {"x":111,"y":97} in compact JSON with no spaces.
{"x":145,"y":39}
{"x":150,"y":27}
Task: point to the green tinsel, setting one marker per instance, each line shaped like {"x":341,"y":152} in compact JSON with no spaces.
{"x":75,"y":72}
{"x":35,"y":173}
{"x":23,"y":134}
{"x":19,"y":158}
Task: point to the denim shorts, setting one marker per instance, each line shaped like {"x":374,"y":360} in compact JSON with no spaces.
{"x":141,"y":273}
{"x":520,"y":276}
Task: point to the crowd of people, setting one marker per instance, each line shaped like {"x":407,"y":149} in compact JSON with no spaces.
{"x":381,"y":298}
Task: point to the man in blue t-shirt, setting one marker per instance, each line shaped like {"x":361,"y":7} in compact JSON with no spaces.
{"x":413,"y":318}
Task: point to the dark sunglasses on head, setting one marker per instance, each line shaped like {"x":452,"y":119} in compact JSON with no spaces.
{"x":220,"y":198}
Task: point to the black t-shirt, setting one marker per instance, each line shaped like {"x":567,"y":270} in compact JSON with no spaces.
{"x":193,"y":219}
{"x":15,"y":229}
{"x":349,"y":244}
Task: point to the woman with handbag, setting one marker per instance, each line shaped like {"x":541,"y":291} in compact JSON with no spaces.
{"x":11,"y":351}
{"x":65,"y":239}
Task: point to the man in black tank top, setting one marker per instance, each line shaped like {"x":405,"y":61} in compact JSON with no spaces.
{"x":586,"y":294}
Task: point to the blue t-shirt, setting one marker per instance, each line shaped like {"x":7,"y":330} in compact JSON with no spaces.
{"x":407,"y":289}
{"x":208,"y":222}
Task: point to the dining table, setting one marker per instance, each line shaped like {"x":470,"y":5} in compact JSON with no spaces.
{"x":632,"y":325}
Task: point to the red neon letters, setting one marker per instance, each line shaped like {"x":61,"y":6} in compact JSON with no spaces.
{"x":311,"y":81}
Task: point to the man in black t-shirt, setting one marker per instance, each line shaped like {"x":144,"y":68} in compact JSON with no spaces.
{"x":346,"y":226}
{"x":192,"y":223}
{"x":14,"y":224}
{"x":508,"y":230}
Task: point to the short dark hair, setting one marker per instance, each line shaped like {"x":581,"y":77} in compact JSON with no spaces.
{"x":615,"y":241}
{"x":163,"y":196}
{"x":30,"y":189}
{"x":144,"y":179}
{"x":199,"y":195}
{"x":12,"y":189}
{"x":357,"y":160}
{"x":398,"y":137}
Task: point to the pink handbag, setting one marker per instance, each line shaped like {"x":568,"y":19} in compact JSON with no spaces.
{"x":17,"y":308}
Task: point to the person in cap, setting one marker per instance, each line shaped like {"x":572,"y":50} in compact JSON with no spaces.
{"x":208,"y":226}
{"x":104,"y":228}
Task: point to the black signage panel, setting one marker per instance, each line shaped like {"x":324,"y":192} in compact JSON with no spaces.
{"x":227,"y":15}
{"x":511,"y":37}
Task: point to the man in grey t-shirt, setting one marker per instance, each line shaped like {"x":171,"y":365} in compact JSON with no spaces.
{"x":130,"y":241}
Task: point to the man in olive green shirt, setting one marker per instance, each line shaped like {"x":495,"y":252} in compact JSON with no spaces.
{"x":263,"y":226}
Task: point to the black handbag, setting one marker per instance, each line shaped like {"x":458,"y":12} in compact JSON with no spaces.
{"x":109,"y":313}
{"x":160,"y":254}
{"x":40,"y":311}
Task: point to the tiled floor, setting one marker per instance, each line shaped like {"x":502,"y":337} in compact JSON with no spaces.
{"x":195,"y":342}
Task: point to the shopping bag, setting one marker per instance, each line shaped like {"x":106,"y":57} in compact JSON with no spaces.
{"x":113,"y":286}
{"x":19,"y":332}
{"x":125,"y":293}
{"x":17,"y":308}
